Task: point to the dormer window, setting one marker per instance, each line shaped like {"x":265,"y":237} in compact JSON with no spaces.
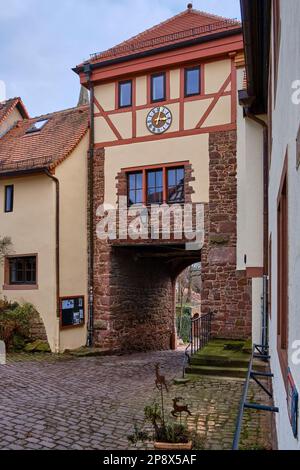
{"x":37,"y":126}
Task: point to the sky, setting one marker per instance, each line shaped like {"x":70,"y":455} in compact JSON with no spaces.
{"x":41,"y":40}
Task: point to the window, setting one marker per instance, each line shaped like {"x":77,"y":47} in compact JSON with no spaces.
{"x":22,"y":271}
{"x":125,"y":94}
{"x":155,"y":187}
{"x":9,"y":199}
{"x":192,"y":81}
{"x":37,"y":126}
{"x":135,"y":188}
{"x":158,"y":87}
{"x":176,"y":185}
{"x":282,"y":316}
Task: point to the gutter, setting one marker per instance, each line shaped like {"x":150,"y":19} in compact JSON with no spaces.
{"x":57,"y":243}
{"x":90,"y":338}
{"x":140,"y":55}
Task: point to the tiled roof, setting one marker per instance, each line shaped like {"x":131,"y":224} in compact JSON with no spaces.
{"x":49,"y":146}
{"x":189,"y":24}
{"x":6,"y":107}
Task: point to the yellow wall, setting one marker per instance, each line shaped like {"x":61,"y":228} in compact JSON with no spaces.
{"x":72,"y":174}
{"x":192,"y":148}
{"x":31,"y":227}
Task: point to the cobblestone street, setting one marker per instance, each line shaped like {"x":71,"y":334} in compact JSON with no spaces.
{"x":91,"y":403}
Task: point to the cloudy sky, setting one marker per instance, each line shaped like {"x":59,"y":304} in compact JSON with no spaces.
{"x":41,"y":40}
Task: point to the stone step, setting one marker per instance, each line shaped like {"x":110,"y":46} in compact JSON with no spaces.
{"x":234,"y":372}
{"x":210,"y":361}
{"x":92,"y":352}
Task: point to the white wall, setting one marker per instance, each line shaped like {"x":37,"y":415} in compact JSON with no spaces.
{"x":250,"y":205}
{"x":286,"y":121}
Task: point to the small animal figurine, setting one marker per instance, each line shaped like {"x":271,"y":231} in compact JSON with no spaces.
{"x":160,"y":379}
{"x":178,"y":409}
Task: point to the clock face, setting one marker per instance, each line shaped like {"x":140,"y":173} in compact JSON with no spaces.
{"x":159,"y":120}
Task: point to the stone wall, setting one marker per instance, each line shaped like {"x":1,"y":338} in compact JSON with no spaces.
{"x":225,"y":291}
{"x":133,"y":295}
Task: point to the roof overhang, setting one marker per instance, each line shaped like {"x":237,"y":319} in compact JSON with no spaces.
{"x":82,"y":69}
{"x":256,"y":19}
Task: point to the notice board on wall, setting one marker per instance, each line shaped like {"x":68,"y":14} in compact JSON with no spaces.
{"x":72,"y":311}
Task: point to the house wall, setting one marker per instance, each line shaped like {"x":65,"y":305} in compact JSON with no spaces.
{"x":31,"y":227}
{"x":72,"y":174}
{"x":250,"y":208}
{"x":11,"y":119}
{"x":286,"y":122}
{"x":203,"y":133}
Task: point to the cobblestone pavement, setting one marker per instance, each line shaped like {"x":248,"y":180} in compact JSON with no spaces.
{"x":91,"y":403}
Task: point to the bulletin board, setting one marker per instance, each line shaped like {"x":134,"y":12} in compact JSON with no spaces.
{"x":72,"y":312}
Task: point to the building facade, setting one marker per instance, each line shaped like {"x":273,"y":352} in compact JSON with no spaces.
{"x":43,"y":201}
{"x":166,"y":128}
{"x":273,"y":97}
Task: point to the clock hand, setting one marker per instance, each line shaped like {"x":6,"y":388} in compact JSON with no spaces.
{"x":158,"y":118}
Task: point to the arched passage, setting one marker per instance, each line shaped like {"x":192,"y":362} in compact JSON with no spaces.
{"x":137,"y":310}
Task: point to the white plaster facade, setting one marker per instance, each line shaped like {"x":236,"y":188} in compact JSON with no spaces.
{"x":286,"y":122}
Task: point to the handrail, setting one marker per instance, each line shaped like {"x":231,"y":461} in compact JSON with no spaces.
{"x":258,"y":352}
{"x":200,"y":334}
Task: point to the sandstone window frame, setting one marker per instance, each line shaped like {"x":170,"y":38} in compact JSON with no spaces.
{"x":23,"y":284}
{"x":144,"y":170}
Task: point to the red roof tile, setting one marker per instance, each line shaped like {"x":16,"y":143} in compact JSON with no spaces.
{"x":187,"y":25}
{"x":47,"y":147}
{"x":6,"y":107}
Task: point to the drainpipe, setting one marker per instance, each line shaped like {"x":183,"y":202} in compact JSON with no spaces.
{"x":266,"y":225}
{"x":90,"y":338}
{"x":57,"y":244}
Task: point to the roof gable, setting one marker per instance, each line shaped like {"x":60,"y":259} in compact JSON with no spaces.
{"x":7,"y":107}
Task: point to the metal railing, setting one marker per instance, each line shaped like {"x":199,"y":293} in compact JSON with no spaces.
{"x":200,"y":336}
{"x":200,"y":332}
{"x":258,"y":352}
{"x":131,"y":47}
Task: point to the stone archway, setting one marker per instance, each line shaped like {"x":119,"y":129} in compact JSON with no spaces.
{"x":135,"y":302}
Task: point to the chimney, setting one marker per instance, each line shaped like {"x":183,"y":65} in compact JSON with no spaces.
{"x":84,"y":97}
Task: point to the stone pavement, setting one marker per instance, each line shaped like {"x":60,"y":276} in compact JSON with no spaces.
{"x":91,"y":403}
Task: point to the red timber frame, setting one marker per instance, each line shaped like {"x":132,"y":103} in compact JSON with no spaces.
{"x":192,"y":55}
{"x":181,"y":100}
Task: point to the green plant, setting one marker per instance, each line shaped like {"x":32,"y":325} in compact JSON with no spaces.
{"x":15,"y":324}
{"x":170,"y":432}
